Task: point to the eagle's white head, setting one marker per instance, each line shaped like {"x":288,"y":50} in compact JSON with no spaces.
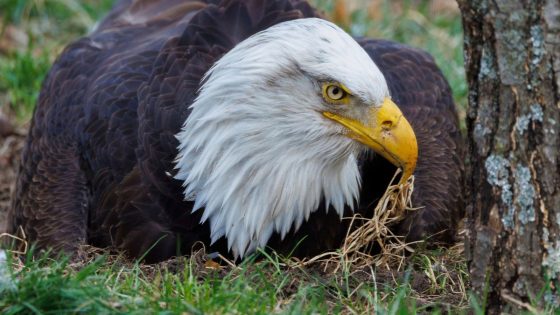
{"x":277,"y":127}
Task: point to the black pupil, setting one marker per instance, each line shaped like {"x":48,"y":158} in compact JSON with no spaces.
{"x":335,"y":91}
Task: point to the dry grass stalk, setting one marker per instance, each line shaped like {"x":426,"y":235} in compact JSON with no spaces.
{"x":355,"y":252}
{"x":20,"y":245}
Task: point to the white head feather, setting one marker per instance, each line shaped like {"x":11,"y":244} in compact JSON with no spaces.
{"x":256,"y":153}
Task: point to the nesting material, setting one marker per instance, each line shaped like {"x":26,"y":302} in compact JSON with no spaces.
{"x":18,"y":242}
{"x":18,"y":248}
{"x":392,"y":207}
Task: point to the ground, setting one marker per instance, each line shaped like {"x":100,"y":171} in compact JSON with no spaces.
{"x":33,"y":32}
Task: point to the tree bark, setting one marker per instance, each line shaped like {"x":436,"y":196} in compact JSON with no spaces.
{"x":512,"y":60}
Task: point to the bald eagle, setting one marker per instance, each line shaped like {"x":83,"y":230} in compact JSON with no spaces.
{"x":238,"y":124}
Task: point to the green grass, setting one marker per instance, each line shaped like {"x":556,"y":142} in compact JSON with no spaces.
{"x":105,"y":284}
{"x":22,"y":75}
{"x":73,"y":12}
{"x":49,"y":25}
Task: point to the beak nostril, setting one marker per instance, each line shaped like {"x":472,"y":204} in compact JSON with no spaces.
{"x":387,"y":124}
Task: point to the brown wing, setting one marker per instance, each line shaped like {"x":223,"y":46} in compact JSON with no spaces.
{"x":118,"y":97}
{"x":422,"y":93}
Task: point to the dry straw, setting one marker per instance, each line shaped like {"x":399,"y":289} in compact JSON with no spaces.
{"x":18,"y":242}
{"x":365,"y":233}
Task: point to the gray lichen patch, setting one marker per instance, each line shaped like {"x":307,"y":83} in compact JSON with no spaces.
{"x":486,"y":65}
{"x":536,"y":115}
{"x":537,"y":112}
{"x":497,"y":169}
{"x":481,"y":131}
{"x":550,"y":147}
{"x":525,"y":194}
{"x":537,"y":41}
{"x":522,"y":123}
{"x":552,"y":124}
{"x":551,"y":261}
{"x":552,"y":299}
{"x":523,"y":202}
{"x":551,"y":265}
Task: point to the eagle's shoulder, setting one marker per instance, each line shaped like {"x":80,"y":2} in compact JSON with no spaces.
{"x":411,"y":73}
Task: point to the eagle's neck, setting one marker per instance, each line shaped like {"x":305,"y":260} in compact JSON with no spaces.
{"x":252,"y":176}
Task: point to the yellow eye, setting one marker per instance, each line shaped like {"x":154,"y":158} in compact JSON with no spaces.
{"x":334,"y":93}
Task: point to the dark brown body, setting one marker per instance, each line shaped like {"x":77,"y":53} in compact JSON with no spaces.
{"x":98,"y":163}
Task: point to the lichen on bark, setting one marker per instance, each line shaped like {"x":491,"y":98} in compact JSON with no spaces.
{"x":512,"y":60}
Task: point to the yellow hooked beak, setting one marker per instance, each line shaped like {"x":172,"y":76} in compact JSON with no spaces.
{"x":387,"y":132}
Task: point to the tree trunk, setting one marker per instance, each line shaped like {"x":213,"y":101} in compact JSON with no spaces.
{"x":512,"y":60}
